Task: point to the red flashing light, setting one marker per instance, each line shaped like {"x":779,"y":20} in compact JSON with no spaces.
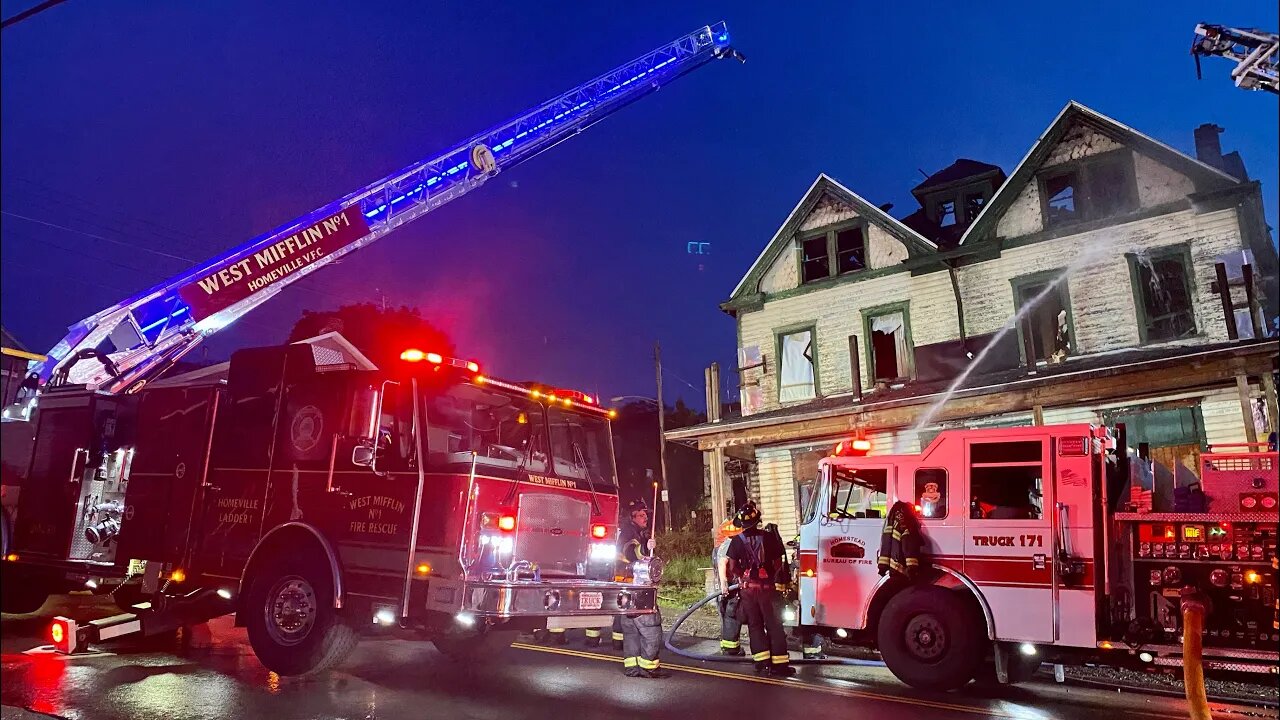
{"x":412,"y":355}
{"x":588,"y":400}
{"x":507,"y":523}
{"x":473,"y":366}
{"x":62,"y":632}
{"x":918,"y":508}
{"x":599,"y":531}
{"x":434,"y":358}
{"x":57,"y":632}
{"x":853,"y":447}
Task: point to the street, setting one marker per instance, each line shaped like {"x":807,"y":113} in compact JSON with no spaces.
{"x":395,"y":678}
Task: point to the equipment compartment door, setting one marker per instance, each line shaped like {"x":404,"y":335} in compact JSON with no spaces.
{"x":51,"y":492}
{"x":1009,"y":542}
{"x":851,"y":517}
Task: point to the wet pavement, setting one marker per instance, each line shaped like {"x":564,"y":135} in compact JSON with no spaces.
{"x":397,"y":678}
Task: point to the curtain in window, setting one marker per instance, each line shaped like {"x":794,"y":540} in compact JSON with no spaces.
{"x":797,"y":367}
{"x":892,"y":324}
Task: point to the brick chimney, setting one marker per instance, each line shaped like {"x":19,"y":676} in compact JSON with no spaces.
{"x":1208,"y":145}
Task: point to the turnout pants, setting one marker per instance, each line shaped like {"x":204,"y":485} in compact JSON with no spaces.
{"x":730,"y":625}
{"x":641,"y":641}
{"x":764,"y":627}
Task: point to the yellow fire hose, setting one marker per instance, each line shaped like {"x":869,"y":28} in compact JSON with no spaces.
{"x":1193,"y":612}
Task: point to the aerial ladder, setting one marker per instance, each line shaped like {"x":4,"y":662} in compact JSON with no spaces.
{"x":1256,"y":52}
{"x":121,"y":348}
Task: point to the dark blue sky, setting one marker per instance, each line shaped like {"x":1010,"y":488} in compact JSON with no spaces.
{"x":186,"y":128}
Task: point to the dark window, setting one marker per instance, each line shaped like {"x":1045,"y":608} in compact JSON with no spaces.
{"x":1110,"y":191}
{"x":814,"y":263}
{"x":972,"y":206}
{"x":858,"y":492}
{"x":946,"y":213}
{"x":850,"y":251}
{"x":1165,"y":295}
{"x":931,"y":492}
{"x":1047,"y":321}
{"x":889,"y":350}
{"x":1006,"y":481}
{"x":1060,"y":191}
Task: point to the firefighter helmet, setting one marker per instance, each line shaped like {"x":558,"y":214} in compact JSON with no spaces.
{"x":747,"y":516}
{"x":636,"y":506}
{"x":726,"y":530}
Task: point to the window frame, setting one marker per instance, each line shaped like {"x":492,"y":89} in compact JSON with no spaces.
{"x":1181,"y":251}
{"x":778,"y":334}
{"x":830,"y":232}
{"x":868,"y":315}
{"x":1045,"y":463}
{"x":946,"y":492}
{"x":1064,"y":296}
{"x":1086,"y":210}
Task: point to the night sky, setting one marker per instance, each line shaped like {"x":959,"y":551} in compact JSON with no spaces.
{"x":158,"y":134}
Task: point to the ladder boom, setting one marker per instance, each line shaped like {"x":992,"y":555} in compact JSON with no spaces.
{"x":1255,"y":52}
{"x":122,"y":347}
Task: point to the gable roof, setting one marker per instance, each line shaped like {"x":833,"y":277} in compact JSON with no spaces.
{"x":1203,"y":175}
{"x":825,"y":185}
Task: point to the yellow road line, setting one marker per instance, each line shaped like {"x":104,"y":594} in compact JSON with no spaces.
{"x":843,"y":692}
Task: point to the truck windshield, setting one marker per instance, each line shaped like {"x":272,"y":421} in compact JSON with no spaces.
{"x":858,"y":492}
{"x":582,"y":448}
{"x":501,"y":430}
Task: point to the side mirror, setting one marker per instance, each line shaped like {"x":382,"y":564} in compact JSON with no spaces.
{"x":363,"y":455}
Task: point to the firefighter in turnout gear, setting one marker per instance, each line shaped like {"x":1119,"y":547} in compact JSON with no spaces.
{"x":730,"y":625}
{"x":641,"y":634}
{"x":758,"y":562}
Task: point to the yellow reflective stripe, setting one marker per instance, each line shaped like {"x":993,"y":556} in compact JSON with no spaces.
{"x":557,"y":630}
{"x":780,"y":659}
{"x":913,"y":561}
{"x":761,"y":656}
{"x":648,"y":664}
{"x":593,"y":633}
{"x":729,"y":644}
{"x":617,"y":636}
{"x":897,"y":535}
{"x":883,"y":559}
{"x":813,"y":650}
{"x":629,"y":662}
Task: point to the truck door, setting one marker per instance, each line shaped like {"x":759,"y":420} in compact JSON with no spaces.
{"x":850,"y":518}
{"x":1009,"y":535}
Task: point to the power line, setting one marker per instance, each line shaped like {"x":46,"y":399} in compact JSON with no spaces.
{"x":14,"y":19}
{"x":97,"y":237}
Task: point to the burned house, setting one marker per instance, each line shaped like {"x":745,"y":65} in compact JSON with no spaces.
{"x":1108,"y":278}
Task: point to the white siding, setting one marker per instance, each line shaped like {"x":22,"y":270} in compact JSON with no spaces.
{"x":1223,"y":421}
{"x":777,"y":489}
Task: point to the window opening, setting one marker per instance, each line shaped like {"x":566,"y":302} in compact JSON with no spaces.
{"x":931,"y":492}
{"x":1047,"y":322}
{"x":889,"y":350}
{"x":815,"y":264}
{"x":796,"y":381}
{"x":858,"y":493}
{"x":1165,"y":296}
{"x":946,"y":213}
{"x":972,"y":206}
{"x":1061,"y":193}
{"x":1006,"y":481}
{"x":850,"y":251}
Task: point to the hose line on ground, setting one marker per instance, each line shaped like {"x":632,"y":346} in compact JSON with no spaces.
{"x":670,"y":645}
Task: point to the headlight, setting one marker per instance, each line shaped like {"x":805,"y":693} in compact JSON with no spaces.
{"x":604,"y":552}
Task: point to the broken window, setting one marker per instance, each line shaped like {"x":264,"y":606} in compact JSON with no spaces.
{"x":890,"y":351}
{"x":796,"y":372}
{"x":850,"y":251}
{"x":1110,"y":191}
{"x":946,"y":213}
{"x":1006,"y":480}
{"x":1047,"y":322}
{"x":1061,"y":193}
{"x":1164,"y":296}
{"x":972,"y":206}
{"x":814,"y":264}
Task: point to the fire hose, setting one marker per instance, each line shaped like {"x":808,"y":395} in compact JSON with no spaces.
{"x":668,"y":641}
{"x":1193,"y":612}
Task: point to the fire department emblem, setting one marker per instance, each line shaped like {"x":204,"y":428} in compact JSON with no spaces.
{"x":305,"y":430}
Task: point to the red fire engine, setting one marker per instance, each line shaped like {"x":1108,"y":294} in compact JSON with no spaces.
{"x":1030,"y":553}
{"x":303,"y":488}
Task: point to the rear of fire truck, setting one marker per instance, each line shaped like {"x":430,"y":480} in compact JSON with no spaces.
{"x":1015,"y":547}
{"x":319,"y":498}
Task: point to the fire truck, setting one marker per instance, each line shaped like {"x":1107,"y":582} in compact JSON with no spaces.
{"x":303,"y":488}
{"x":1032,"y":551}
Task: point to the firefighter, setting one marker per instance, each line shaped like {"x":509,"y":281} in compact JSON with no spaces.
{"x":641,"y":634}
{"x":730,"y":625}
{"x":758,"y":562}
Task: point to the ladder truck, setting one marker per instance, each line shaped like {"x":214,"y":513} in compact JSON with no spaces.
{"x":308,"y":491}
{"x":1256,"y":53}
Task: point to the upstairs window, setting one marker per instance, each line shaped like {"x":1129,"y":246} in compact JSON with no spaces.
{"x":814,"y":262}
{"x":973,"y":205}
{"x":850,"y":251}
{"x":946,"y":213}
{"x":1162,"y":294}
{"x":889,"y":350}
{"x":1095,"y":189}
{"x":796,"y":376}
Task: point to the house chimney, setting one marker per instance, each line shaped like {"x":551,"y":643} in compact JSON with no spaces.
{"x":1208,"y":145}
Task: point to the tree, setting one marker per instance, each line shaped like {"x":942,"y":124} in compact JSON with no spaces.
{"x":380,"y":334}
{"x":635,"y":443}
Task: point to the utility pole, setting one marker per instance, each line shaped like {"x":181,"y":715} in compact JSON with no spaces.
{"x":662,"y":439}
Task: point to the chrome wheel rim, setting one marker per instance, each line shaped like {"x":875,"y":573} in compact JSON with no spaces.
{"x":291,"y":610}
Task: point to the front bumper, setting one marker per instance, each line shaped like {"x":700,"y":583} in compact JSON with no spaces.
{"x":557,"y":598}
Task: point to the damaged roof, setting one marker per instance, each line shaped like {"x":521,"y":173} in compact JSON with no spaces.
{"x":962,"y":169}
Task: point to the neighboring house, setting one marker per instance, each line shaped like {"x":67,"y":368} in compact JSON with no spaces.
{"x":853,"y":322}
{"x":14,"y":359}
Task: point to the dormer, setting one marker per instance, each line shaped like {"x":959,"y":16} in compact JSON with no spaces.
{"x":951,"y":199}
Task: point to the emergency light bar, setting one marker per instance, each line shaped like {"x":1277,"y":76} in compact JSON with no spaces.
{"x":415,"y":355}
{"x":853,"y":447}
{"x":567,"y":398}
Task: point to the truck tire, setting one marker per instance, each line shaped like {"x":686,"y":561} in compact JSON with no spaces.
{"x":475,"y":646}
{"x":293,"y":626}
{"x":930,"y":639}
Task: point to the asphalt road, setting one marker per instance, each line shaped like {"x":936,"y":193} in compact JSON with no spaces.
{"x":395,"y":678}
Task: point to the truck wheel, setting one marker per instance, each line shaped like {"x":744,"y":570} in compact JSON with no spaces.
{"x":293,"y":626}
{"x":929,"y":639}
{"x":474,"y":646}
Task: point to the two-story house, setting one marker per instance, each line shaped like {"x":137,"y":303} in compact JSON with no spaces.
{"x":1083,"y":287}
